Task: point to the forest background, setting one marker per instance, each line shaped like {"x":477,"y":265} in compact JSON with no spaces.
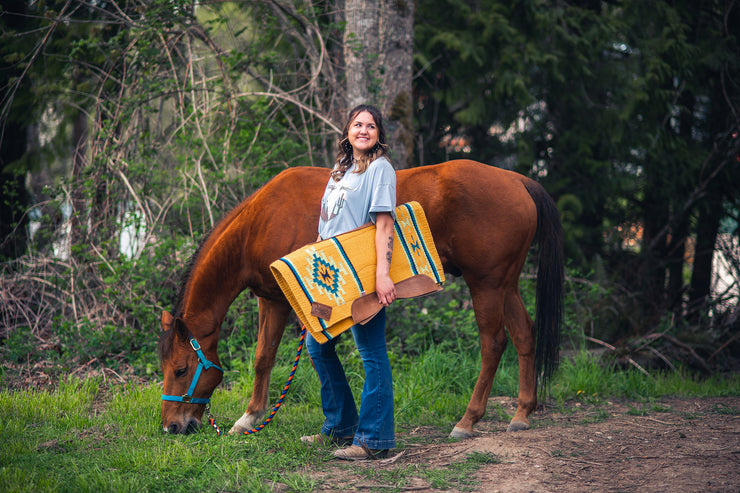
{"x":130,"y":127}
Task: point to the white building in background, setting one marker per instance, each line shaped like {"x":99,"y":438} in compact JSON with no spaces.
{"x":726,"y":270}
{"x":133,"y":231}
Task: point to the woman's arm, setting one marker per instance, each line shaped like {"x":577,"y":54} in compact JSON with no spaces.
{"x":384,"y":287}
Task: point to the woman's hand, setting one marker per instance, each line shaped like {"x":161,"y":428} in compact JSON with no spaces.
{"x":384,"y":287}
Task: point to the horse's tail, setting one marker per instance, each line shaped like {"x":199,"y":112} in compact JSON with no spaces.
{"x":550,"y":276}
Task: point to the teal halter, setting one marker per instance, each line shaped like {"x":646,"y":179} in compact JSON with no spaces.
{"x":203,"y":364}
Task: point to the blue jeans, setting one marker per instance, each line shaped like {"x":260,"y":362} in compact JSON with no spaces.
{"x":374,"y":426}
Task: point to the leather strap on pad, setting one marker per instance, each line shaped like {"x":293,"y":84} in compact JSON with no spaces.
{"x":366,"y":307}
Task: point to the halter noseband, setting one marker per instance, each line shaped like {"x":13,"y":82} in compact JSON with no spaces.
{"x":203,"y":364}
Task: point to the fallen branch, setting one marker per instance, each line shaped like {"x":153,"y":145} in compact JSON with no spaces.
{"x":631,"y":361}
{"x":723,"y":346}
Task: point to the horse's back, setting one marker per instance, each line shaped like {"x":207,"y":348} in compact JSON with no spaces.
{"x":480,"y":215}
{"x":465,"y":184}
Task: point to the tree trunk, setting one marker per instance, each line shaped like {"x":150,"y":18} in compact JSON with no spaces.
{"x":675,"y":258}
{"x":13,"y":217}
{"x":378,"y":44}
{"x":335,"y":48}
{"x":652,"y":269}
{"x":707,"y":228}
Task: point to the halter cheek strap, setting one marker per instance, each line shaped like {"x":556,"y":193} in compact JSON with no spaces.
{"x":203,"y":364}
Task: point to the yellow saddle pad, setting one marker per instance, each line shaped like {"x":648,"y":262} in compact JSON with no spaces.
{"x":325,"y":282}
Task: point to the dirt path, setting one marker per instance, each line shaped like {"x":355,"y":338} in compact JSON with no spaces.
{"x":675,"y":445}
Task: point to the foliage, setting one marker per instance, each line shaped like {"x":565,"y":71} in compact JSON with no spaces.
{"x":175,"y":138}
{"x":445,"y":319}
{"x":474,"y":64}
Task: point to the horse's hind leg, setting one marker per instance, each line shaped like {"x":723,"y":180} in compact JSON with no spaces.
{"x":489,"y":311}
{"x":519,"y":325}
{"x":273,"y":316}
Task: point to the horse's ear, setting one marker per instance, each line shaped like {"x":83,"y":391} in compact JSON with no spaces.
{"x":167,"y":320}
{"x":181,"y":330}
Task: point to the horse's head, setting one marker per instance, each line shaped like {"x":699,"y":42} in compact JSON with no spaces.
{"x":191,"y":372}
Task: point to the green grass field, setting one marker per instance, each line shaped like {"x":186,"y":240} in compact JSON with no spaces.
{"x":85,"y":435}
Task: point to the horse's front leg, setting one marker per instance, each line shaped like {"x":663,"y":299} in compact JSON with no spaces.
{"x":273,"y":316}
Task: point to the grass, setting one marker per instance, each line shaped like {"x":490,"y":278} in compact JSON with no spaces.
{"x":59,"y":441}
{"x":86,"y":436}
{"x":584,"y":378}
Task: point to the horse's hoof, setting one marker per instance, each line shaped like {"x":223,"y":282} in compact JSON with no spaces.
{"x":460,"y":434}
{"x":245,"y":423}
{"x":236,"y":430}
{"x":517,"y":426}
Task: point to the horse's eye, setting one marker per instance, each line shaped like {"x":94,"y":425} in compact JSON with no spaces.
{"x":181,"y":372}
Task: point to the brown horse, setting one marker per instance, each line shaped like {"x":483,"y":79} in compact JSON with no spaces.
{"x":483,"y":220}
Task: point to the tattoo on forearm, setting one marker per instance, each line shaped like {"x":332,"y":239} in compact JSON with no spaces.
{"x":389,"y":252}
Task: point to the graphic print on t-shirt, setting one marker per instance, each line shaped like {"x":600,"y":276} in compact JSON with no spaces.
{"x":335,"y":200}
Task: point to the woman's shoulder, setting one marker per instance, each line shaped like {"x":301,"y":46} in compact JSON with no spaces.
{"x":380,"y":163}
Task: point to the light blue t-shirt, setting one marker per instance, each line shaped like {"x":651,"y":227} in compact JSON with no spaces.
{"x":353,"y":201}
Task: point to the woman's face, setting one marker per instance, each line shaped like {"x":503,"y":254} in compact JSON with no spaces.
{"x":362,"y":133}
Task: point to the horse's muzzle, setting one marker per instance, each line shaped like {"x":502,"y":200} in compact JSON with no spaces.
{"x":190,"y":426}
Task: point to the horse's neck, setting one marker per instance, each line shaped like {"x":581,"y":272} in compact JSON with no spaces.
{"x":214,"y":283}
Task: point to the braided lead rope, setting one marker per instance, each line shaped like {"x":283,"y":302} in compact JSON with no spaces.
{"x":212,"y":421}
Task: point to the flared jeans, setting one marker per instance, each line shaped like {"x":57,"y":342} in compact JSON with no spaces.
{"x":374,"y":426}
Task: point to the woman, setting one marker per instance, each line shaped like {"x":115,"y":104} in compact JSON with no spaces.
{"x":362,"y":188}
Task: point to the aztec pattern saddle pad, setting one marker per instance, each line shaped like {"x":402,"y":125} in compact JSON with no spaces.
{"x":325,"y":282}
